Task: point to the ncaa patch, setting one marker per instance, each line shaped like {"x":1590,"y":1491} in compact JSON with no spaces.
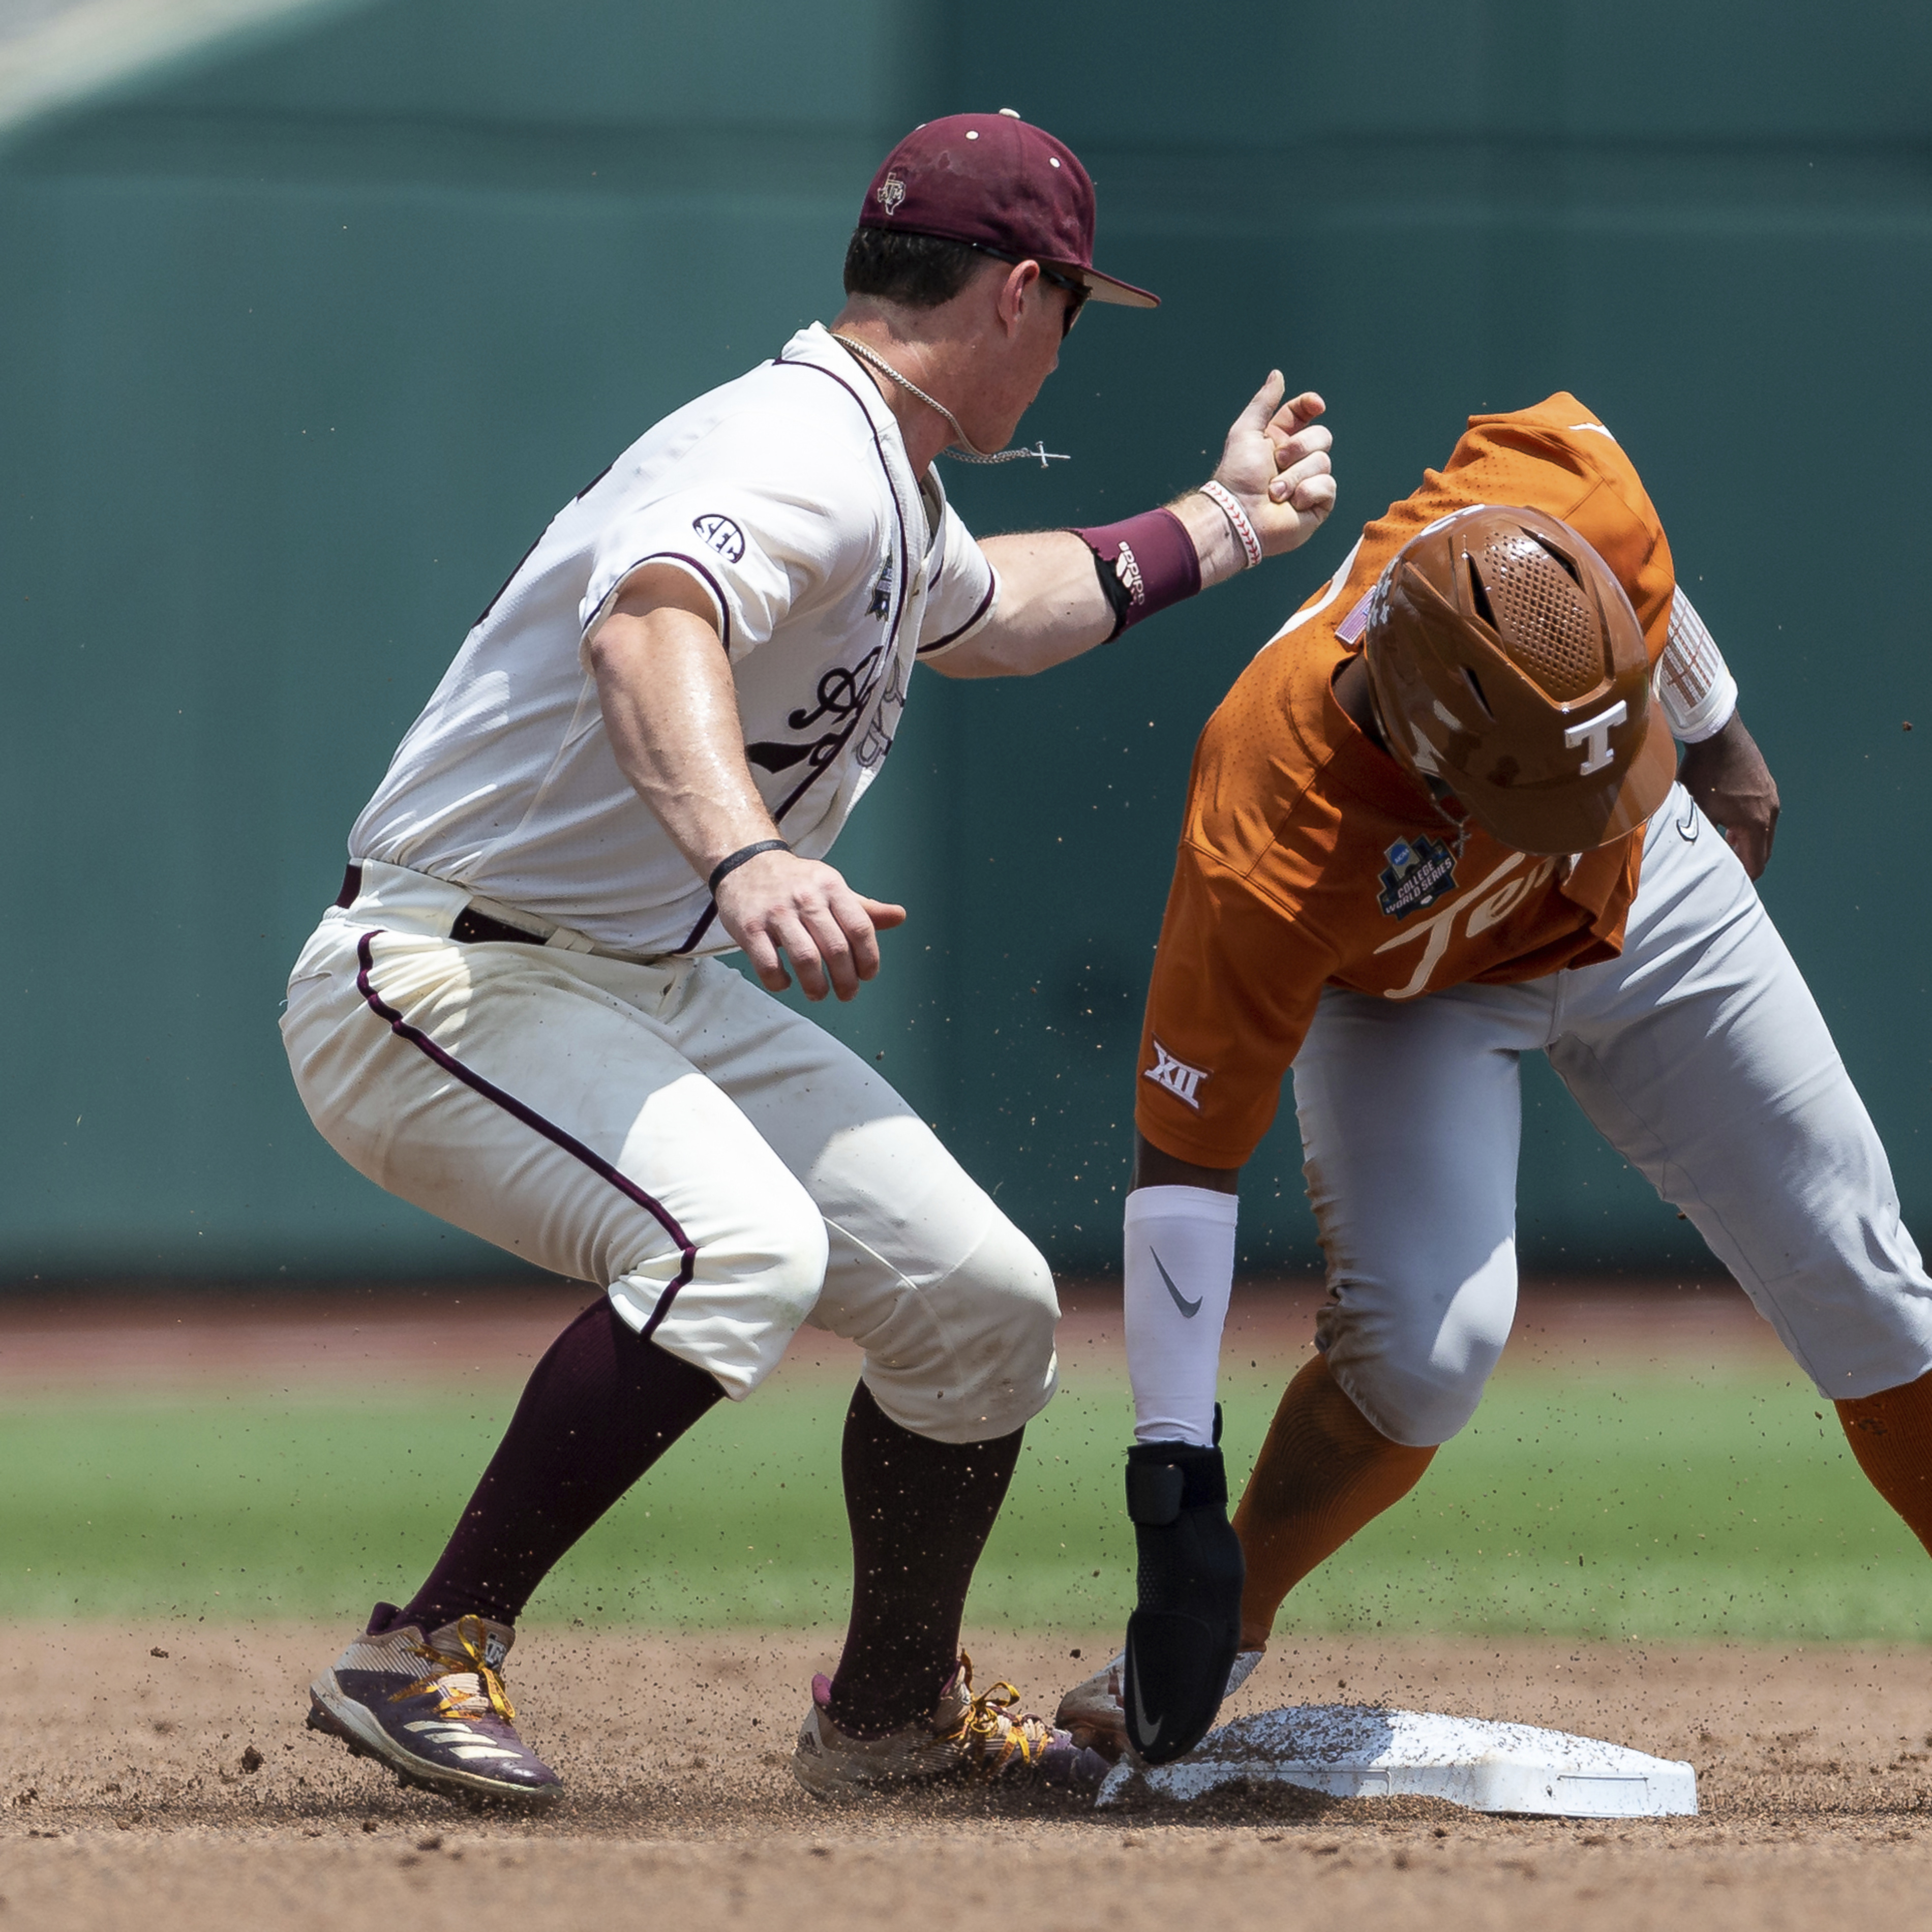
{"x":1420,"y":871}
{"x":722,"y":534}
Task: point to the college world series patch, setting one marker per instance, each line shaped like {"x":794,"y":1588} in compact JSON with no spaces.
{"x":1420,"y":871}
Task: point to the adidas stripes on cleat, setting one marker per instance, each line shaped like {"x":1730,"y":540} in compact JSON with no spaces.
{"x":432,"y":1708}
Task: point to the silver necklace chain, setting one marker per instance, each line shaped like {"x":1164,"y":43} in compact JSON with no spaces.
{"x":968,"y":452}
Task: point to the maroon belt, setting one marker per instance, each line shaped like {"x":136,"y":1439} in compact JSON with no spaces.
{"x":470,"y":926}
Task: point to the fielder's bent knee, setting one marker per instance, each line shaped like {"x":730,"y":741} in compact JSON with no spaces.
{"x":969,"y":1357}
{"x":750,"y":1285}
{"x":1415,"y":1360}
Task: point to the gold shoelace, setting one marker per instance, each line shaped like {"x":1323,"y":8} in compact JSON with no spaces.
{"x":473,"y":1638}
{"x":985,"y":1724}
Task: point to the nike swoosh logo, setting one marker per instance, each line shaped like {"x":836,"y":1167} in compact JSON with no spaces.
{"x":1146,"y":1736}
{"x":1189,"y":1309}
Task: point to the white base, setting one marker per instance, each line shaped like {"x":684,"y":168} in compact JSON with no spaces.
{"x":1359,"y":1750}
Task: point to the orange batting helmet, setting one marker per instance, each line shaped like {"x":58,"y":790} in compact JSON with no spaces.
{"x":1508,"y":668}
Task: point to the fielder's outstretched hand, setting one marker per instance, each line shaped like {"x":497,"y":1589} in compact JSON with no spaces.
{"x":779,"y":903}
{"x":1276,"y":460}
{"x":1728,"y":777}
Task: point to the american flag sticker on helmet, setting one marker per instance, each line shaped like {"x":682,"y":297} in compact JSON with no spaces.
{"x":1350,"y":629}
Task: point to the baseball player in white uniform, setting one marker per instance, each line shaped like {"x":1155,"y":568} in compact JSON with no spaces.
{"x":516,"y":1015}
{"x":1438,"y":823}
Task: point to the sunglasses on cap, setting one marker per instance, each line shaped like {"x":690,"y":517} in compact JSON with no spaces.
{"x":1078,"y":290}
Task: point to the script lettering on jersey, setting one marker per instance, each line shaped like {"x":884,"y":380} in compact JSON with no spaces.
{"x":1179,"y":1079}
{"x":844,"y":696}
{"x":1483,"y":908}
{"x":878,"y":739}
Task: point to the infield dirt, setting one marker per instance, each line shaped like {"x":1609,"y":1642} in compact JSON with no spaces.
{"x":157,"y":1775}
{"x":180,"y":1790}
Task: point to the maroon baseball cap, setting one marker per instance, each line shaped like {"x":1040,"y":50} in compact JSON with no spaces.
{"x":998,"y":183}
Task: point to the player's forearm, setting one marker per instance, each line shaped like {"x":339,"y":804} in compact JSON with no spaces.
{"x":1726,"y":774}
{"x":1051,"y":606}
{"x":671,"y":716}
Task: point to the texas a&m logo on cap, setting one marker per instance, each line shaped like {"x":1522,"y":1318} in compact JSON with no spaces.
{"x":1179,"y":1079}
{"x":890,"y":192}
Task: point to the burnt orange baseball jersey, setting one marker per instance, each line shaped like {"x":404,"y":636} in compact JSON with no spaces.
{"x":1308,"y":858}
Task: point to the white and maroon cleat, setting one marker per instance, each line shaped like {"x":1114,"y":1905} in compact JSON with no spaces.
{"x":432,"y":1708}
{"x":968,"y":1731}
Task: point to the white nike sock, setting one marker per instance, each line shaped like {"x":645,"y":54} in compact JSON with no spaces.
{"x":1179,"y":1268}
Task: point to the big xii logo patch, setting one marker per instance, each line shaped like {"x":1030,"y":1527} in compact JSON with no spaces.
{"x":1420,"y":871}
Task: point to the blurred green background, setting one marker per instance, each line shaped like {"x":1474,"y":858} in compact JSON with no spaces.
{"x":1690,"y":1504}
{"x":305,"y":336}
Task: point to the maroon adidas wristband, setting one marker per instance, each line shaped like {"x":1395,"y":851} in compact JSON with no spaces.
{"x":1145,"y":563}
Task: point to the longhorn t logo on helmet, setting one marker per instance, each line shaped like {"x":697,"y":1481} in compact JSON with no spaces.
{"x":1594,"y":733}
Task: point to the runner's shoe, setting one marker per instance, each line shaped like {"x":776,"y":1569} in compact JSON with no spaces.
{"x":432,"y":1708}
{"x":1093,"y":1713}
{"x":968,"y":1732}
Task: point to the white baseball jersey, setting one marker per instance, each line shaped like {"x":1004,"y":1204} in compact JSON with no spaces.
{"x":788,"y":496}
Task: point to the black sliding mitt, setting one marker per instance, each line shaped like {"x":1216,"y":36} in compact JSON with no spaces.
{"x":1181,"y":1640}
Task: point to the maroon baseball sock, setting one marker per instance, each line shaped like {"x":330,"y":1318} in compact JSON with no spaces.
{"x":920,"y":1513}
{"x":599,"y":1409}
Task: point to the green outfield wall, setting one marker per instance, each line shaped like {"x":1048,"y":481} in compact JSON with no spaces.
{"x":299,"y":352}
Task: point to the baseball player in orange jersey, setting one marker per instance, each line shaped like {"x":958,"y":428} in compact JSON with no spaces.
{"x":1439,"y":823}
{"x":515,"y":1016}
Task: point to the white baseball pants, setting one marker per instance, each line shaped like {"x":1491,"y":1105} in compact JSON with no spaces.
{"x":1699,"y":1054}
{"x":723,"y":1167}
